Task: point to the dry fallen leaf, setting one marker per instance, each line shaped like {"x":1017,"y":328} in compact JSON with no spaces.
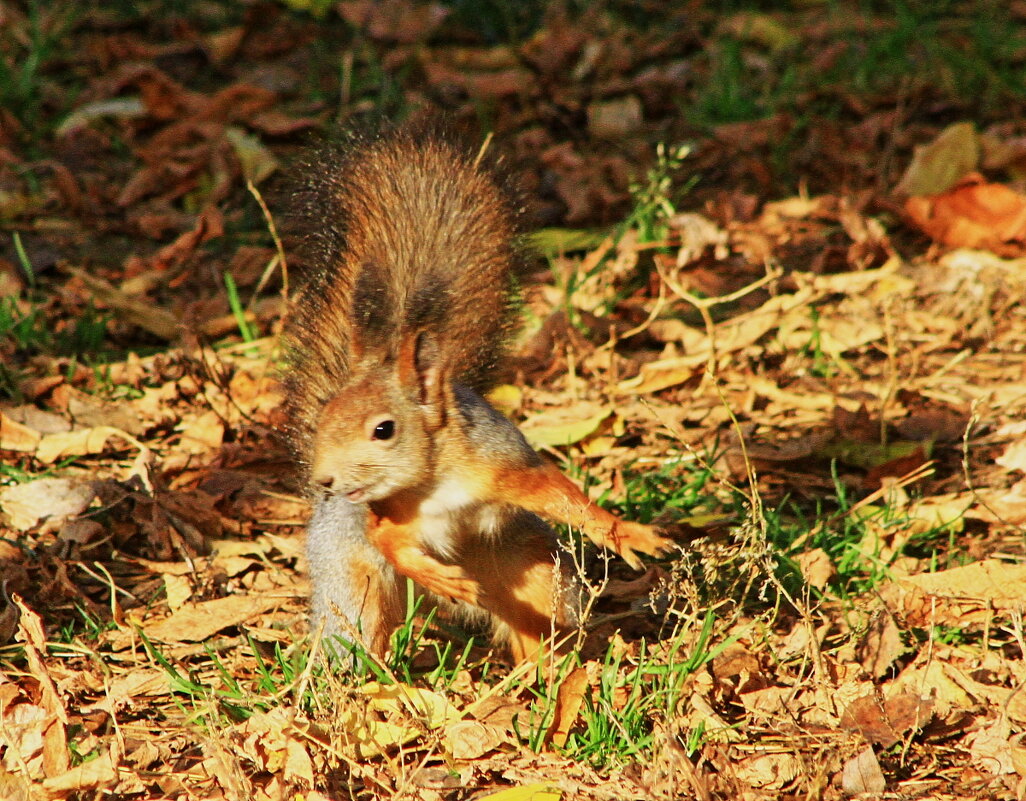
{"x":768,"y":771}
{"x":17,"y":437}
{"x":817,"y":567}
{"x":542,"y":791}
{"x":55,"y":743}
{"x":92,"y":774}
{"x":1014,"y":457}
{"x":862,"y":775}
{"x":82,"y":442}
{"x":569,"y":700}
{"x":471,"y":739}
{"x":973,"y":214}
{"x":881,"y":646}
{"x":1001,"y":585}
{"x":884,"y":723}
{"x":55,"y":499}
{"x":197,"y":622}
{"x":935,"y":167}
{"x":564,"y":426}
{"x":991,"y":749}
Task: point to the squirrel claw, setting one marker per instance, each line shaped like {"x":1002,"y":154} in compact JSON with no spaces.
{"x":629,"y":537}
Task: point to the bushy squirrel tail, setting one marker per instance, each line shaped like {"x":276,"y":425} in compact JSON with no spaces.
{"x":408,"y":233}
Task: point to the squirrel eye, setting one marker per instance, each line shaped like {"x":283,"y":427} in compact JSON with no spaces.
{"x":384,"y":430}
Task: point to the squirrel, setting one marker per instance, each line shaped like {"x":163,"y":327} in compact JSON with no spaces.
{"x":389,"y":351}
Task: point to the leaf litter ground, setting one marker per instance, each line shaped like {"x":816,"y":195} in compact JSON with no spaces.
{"x":824,"y":407}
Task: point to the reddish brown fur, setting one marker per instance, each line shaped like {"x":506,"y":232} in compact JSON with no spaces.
{"x":412,"y":299}
{"x":547,"y":492}
{"x":439,"y":224}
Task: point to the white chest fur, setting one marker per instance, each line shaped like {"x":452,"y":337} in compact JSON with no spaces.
{"x":450,"y":513}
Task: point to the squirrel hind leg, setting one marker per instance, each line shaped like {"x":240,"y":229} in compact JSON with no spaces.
{"x":531,"y":594}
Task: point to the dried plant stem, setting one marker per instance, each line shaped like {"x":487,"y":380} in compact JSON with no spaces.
{"x":273,"y":229}
{"x":703,"y":305}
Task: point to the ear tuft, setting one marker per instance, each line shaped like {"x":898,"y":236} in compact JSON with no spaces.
{"x":421,"y":373}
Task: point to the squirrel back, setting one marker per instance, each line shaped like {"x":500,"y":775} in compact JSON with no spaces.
{"x":414,"y":241}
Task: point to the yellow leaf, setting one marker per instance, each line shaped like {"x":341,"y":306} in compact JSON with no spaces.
{"x":506,"y":398}
{"x":555,"y":429}
{"x":940,"y":164}
{"x":432,"y":708}
{"x":82,"y":442}
{"x":529,"y":792}
{"x":17,"y":437}
{"x":374,"y":737}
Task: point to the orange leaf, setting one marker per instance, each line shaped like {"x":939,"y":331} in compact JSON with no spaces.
{"x":973,"y":214}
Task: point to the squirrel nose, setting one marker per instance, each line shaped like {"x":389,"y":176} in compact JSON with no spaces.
{"x":324,"y":481}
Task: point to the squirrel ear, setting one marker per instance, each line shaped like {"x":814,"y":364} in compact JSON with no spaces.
{"x":420,"y":371}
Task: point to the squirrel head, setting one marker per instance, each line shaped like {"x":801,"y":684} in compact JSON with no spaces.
{"x":375,"y":437}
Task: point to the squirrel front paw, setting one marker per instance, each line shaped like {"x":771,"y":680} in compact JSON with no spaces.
{"x":451,"y":582}
{"x":626,"y":537}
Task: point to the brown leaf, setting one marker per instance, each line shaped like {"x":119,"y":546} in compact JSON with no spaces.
{"x":862,"y":775}
{"x":197,"y":622}
{"x":209,"y":225}
{"x":881,"y":645}
{"x":817,"y":567}
{"x":1000,"y":585}
{"x":569,"y":700}
{"x":471,"y":739}
{"x":55,"y":744}
{"x":973,"y":214}
{"x":131,"y":309}
{"x":95,"y":773}
{"x":991,"y":748}
{"x":866,"y":716}
{"x":394,"y":20}
{"x":56,"y":499}
{"x":768,"y":771}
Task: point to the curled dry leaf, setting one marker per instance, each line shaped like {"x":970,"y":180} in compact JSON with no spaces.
{"x":82,"y":442}
{"x":817,"y":567}
{"x":973,"y":214}
{"x":17,"y":437}
{"x":471,"y":739}
{"x":569,"y":700}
